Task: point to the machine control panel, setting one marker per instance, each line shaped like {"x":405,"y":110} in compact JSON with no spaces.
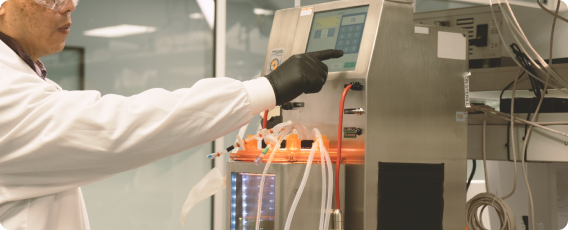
{"x":342,"y":30}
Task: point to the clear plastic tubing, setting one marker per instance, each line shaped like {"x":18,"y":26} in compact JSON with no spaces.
{"x":287,"y":130}
{"x":323,"y":184}
{"x":301,"y":189}
{"x":330,"y":178}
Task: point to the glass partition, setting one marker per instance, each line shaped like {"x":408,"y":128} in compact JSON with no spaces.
{"x":130,"y":46}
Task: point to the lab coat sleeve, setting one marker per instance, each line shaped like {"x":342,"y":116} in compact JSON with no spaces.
{"x":52,"y":141}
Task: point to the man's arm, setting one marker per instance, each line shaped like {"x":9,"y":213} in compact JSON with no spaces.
{"x":51,"y":141}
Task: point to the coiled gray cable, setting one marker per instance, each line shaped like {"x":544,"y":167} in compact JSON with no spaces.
{"x":482,"y":200}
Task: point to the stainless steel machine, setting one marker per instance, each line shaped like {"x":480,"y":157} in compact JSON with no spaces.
{"x":406,"y":167}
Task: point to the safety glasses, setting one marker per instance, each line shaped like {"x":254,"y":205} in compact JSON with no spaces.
{"x":55,"y":4}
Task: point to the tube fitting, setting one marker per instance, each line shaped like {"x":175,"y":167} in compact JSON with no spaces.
{"x":336,"y":220}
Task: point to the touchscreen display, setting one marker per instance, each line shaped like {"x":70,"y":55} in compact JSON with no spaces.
{"x":342,"y":30}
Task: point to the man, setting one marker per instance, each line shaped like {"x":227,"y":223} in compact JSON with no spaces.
{"x":53,"y":141}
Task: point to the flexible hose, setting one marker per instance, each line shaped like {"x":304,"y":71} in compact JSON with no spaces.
{"x":301,"y":189}
{"x":325,"y":207}
{"x":323,"y":185}
{"x":339,"y":137}
{"x":286,"y":131}
{"x":264,"y":120}
{"x":324,"y":151}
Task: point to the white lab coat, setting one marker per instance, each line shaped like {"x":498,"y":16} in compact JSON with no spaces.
{"x":53,"y":141}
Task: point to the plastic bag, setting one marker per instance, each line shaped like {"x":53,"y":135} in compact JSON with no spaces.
{"x":212,"y":183}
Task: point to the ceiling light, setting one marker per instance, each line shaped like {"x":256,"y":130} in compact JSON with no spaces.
{"x":119,"y":31}
{"x":196,"y":16}
{"x":259,"y":11}
{"x":208,"y":9}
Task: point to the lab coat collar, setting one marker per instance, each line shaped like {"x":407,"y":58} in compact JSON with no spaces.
{"x":10,"y":60}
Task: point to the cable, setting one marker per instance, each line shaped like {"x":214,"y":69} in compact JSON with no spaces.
{"x":536,"y":116}
{"x":473,"y":168}
{"x":524,"y":60}
{"x":524,"y":37}
{"x":512,"y":130}
{"x":509,"y":85}
{"x":550,"y":12}
{"x":519,"y":30}
{"x":264,"y":120}
{"x":508,"y":117}
{"x":482,"y":200}
{"x":339,"y":137}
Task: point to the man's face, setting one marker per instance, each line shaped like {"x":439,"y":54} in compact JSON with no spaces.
{"x":39,"y":30}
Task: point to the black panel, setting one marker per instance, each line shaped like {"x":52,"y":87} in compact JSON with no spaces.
{"x":411,"y":196}
{"x":484,"y":63}
{"x":528,"y":105}
{"x":306,"y":144}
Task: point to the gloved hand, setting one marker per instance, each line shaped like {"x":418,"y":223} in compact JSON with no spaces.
{"x":301,"y":73}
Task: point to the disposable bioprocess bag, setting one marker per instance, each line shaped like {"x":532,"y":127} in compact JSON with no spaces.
{"x":212,"y":183}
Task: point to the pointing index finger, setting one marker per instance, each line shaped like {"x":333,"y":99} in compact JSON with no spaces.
{"x":327,"y":54}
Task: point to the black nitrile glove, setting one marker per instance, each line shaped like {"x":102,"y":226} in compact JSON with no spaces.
{"x":301,"y":73}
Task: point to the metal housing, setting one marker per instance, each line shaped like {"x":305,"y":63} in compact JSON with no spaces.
{"x":410,"y":96}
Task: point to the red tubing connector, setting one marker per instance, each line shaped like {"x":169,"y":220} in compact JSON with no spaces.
{"x":264,"y":120}
{"x":339,"y":137}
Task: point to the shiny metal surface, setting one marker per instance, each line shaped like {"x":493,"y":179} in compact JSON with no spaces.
{"x":288,"y":179}
{"x":336,"y":220}
{"x":412,"y":115}
{"x":410,"y":101}
{"x":282,"y":34}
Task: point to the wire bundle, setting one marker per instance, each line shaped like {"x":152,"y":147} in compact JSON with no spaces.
{"x":515,"y":29}
{"x":482,"y":200}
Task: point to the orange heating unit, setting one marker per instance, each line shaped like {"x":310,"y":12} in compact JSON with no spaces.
{"x":295,"y":154}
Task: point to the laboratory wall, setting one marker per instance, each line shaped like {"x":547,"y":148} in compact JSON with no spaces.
{"x":131,"y":46}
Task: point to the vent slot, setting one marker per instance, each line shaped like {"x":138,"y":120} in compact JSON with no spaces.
{"x":464,"y":21}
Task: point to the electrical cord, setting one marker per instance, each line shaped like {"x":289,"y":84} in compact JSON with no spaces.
{"x":519,"y":30}
{"x":482,"y":200}
{"x":473,"y":169}
{"x":535,"y":117}
{"x":525,"y":61}
{"x":550,"y":12}
{"x":507,"y":117}
{"x":509,"y":85}
{"x":339,"y":137}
